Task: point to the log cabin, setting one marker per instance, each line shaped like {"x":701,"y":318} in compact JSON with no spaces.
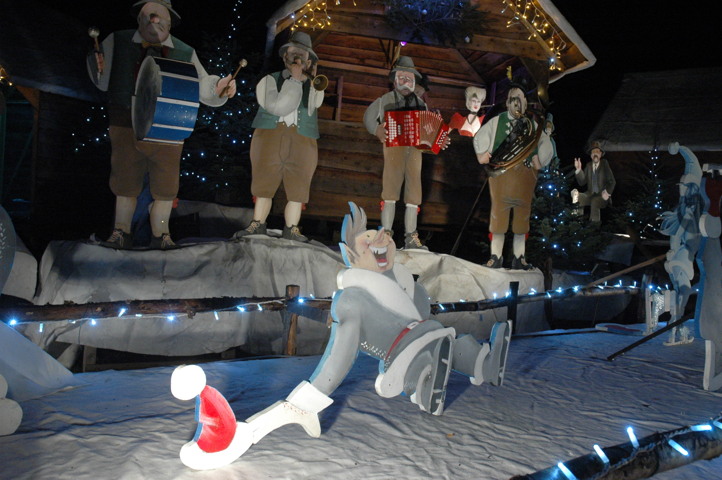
{"x":356,"y":46}
{"x":357,"y":43}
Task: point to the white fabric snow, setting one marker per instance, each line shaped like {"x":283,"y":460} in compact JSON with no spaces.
{"x":80,"y":272}
{"x":560,"y":397}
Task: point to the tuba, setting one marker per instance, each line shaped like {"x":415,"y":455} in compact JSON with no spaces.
{"x":517,"y":146}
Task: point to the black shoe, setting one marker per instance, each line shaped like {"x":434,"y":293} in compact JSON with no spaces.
{"x":520,"y":264}
{"x":164,"y":242}
{"x":293,"y":233}
{"x":411,"y":240}
{"x":119,"y":239}
{"x":494,"y":262}
{"x":255,"y":228}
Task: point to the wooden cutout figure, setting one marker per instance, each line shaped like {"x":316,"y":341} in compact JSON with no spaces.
{"x":709,"y":260}
{"x":694,"y":230}
{"x":380,"y":311}
{"x":10,"y":412}
{"x":117,"y":66}
{"x":516,"y":147}
{"x":682,"y":226}
{"x":471,"y":123}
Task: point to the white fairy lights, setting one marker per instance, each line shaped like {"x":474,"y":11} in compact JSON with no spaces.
{"x":314,"y":15}
{"x":540,"y":28}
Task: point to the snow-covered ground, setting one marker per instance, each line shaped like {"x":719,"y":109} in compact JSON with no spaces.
{"x":560,"y":397}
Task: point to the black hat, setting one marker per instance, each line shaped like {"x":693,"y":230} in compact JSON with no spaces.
{"x":174,"y":17}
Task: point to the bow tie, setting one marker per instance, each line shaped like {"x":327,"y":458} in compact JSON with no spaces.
{"x":149,"y":45}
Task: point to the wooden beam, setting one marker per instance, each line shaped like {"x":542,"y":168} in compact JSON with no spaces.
{"x":474,"y":76}
{"x":377,"y":27}
{"x":382,"y":72}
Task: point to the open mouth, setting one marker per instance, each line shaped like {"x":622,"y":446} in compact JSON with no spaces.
{"x":380,"y":255}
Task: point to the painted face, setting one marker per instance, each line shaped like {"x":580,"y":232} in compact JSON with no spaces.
{"x":516,"y":102}
{"x":473,"y":104}
{"x":375,"y":251}
{"x":154,"y":22}
{"x":404,"y":82}
{"x":296,"y":55}
{"x":596,"y":155}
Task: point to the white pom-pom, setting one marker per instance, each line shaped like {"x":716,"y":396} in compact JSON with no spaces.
{"x":187,"y":382}
{"x":10,"y":416}
{"x":3,"y":387}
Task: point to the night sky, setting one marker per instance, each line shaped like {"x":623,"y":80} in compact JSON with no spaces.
{"x":625,"y":36}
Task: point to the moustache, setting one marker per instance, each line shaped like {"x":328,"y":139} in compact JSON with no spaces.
{"x":405,"y":87}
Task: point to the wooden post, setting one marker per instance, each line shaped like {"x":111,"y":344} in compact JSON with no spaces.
{"x":511,"y":308}
{"x":339,"y":97}
{"x":292,"y":293}
{"x":627,"y":270}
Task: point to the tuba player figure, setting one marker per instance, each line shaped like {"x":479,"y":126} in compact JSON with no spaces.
{"x":512,"y":187}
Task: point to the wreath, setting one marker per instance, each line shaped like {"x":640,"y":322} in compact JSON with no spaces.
{"x":446,"y":21}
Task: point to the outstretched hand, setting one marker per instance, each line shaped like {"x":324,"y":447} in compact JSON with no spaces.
{"x":577,"y":164}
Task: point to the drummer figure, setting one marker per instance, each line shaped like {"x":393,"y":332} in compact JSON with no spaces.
{"x":113,"y":67}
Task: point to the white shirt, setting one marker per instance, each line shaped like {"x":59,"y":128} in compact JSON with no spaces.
{"x":284,"y":104}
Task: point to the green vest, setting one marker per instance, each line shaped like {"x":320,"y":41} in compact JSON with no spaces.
{"x":307,"y":124}
{"x":127,"y":56}
{"x":501,"y":134}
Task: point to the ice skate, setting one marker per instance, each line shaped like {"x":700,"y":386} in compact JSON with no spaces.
{"x":495,"y":362}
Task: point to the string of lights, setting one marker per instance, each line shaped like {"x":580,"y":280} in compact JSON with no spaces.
{"x":314,"y":15}
{"x":173,"y":310}
{"x":540,"y":28}
{"x":641,"y":458}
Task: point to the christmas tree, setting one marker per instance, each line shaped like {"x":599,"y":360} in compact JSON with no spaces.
{"x":560,"y":235}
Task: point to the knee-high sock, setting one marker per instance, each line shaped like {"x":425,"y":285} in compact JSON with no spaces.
{"x":497,"y":244}
{"x":519,"y":245}
{"x":292,"y":213}
{"x":410,"y":215}
{"x":124,"y":210}
{"x":262,"y":209}
{"x":388,"y":214}
{"x":159,"y":216}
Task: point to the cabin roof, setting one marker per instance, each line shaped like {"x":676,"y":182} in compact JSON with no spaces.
{"x":359,"y":38}
{"x":653,"y":109}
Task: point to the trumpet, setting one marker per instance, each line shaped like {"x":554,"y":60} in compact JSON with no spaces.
{"x":318,"y":82}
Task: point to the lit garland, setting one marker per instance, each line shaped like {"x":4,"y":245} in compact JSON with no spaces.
{"x":655,"y":453}
{"x":189,"y":307}
{"x":540,"y":28}
{"x":313,"y":15}
{"x":4,"y":77}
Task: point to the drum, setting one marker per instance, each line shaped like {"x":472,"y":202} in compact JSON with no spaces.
{"x":165,"y":104}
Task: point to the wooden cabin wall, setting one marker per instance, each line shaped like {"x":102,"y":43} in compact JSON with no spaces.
{"x":350,"y":168}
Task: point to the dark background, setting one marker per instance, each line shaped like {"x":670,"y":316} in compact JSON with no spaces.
{"x":625,"y":36}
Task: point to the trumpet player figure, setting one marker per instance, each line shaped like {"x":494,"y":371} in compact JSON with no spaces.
{"x":113,"y":67}
{"x":283,"y":147}
{"x":511,"y":186}
{"x":401,"y":164}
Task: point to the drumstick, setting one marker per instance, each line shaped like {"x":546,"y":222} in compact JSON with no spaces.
{"x":94,"y":33}
{"x":241,"y":64}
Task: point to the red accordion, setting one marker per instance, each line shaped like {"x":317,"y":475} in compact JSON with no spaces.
{"x":422,"y":129}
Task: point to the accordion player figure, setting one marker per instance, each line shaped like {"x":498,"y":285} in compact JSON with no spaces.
{"x":402,"y":123}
